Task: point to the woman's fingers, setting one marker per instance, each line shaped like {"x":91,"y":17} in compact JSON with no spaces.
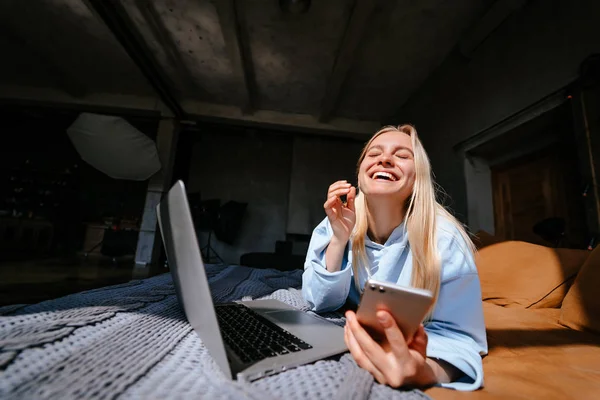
{"x":338,"y":192}
{"x":393,"y":334}
{"x":333,"y":196}
{"x":338,"y":185}
{"x":362,"y":360}
{"x":419,"y":341}
{"x":330,"y":207}
{"x":331,"y":201}
{"x":369,"y":346}
{"x":333,"y":205}
{"x":351,"y":197}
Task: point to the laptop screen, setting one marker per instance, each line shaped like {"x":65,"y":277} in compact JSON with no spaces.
{"x":187,"y":269}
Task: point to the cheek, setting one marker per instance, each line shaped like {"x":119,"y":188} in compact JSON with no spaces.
{"x":361,"y":180}
{"x":364,"y":167}
{"x":362,"y":173}
{"x":408,"y":168}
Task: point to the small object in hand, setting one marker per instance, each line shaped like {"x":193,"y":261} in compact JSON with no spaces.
{"x":344,"y":199}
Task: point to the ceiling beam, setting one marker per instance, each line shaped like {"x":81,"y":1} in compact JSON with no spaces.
{"x":345,"y":56}
{"x":165,"y":39}
{"x":115,"y":17}
{"x":284,"y":121}
{"x":47,"y":60}
{"x":529,"y":113}
{"x":196,"y":111}
{"x":102,"y":103}
{"x":235,"y":34}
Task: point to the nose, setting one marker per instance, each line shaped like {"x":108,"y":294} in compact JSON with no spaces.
{"x":385,"y":160}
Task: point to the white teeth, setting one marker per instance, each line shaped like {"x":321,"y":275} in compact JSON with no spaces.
{"x":384,"y":175}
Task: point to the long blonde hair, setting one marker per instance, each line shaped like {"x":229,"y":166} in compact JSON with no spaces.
{"x":422,"y":210}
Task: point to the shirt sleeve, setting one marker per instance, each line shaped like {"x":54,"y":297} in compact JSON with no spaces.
{"x":324,"y":290}
{"x":456,"y":332}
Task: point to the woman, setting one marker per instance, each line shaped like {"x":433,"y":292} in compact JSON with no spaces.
{"x":394,"y":230}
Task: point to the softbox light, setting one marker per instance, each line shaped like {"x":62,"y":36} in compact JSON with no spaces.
{"x":113,"y":146}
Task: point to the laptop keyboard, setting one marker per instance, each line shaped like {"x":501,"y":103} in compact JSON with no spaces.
{"x":253,"y":337}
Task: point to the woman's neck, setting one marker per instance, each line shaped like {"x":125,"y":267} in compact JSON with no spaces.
{"x":384,"y":215}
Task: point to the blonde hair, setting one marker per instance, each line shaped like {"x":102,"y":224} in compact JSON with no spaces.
{"x":422,"y":210}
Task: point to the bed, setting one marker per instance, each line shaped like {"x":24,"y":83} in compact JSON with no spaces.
{"x":132,"y":340}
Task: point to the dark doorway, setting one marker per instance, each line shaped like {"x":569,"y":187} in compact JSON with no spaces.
{"x":538,"y":195}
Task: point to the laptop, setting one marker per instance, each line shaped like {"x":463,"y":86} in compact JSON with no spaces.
{"x":247,"y":339}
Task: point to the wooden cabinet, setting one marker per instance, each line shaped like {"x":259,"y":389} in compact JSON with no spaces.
{"x":535,"y":187}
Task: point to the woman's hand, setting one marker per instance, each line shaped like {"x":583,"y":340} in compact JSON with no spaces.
{"x":394,"y":361}
{"x":341,"y":216}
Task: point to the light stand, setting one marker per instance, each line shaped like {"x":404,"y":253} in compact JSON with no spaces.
{"x":206,"y":215}
{"x":208,"y":250}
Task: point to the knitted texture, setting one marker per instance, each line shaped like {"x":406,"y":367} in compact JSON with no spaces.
{"x":132,"y":341}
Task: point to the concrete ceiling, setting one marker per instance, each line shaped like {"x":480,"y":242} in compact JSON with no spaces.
{"x":62,"y":44}
{"x":345,"y":62}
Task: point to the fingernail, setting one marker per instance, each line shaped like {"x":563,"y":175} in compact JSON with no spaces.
{"x":349,"y":317}
{"x":382,"y":317}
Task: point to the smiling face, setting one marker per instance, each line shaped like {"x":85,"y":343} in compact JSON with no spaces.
{"x":388,"y":166}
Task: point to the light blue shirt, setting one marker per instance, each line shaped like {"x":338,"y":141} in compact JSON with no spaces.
{"x":456,"y":333}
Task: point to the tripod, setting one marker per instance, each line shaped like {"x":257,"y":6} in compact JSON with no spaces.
{"x":208,"y":249}
{"x":206,"y":215}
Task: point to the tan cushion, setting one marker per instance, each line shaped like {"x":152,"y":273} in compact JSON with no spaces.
{"x":538,"y":372}
{"x":483,"y":239}
{"x":532,"y":356}
{"x":581,"y":306}
{"x":520,"y":274}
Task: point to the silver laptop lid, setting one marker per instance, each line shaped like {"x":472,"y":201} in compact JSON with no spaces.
{"x":187,"y":269}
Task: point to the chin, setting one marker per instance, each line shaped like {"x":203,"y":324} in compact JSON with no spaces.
{"x":382,"y":194}
{"x":382,"y":191}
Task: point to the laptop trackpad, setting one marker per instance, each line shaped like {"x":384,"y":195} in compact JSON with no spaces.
{"x":313,"y":330}
{"x":294,"y":318}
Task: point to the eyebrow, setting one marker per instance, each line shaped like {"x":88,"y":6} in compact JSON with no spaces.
{"x":379,"y":147}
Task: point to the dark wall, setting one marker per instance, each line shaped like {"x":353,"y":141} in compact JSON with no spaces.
{"x":283,"y":177}
{"x":252,"y":169}
{"x":317,"y":163}
{"x":536,"y":51}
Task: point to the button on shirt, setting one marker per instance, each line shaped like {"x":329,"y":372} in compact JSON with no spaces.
{"x":456,"y":332}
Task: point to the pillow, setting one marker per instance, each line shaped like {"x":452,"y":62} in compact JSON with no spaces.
{"x":521,"y":274}
{"x":581,"y":307}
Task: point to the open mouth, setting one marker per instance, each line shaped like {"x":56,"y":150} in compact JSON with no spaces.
{"x":384,"y":176}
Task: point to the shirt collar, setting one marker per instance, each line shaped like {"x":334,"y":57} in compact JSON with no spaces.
{"x":397,"y":235}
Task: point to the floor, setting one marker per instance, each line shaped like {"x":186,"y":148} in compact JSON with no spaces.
{"x":28,"y":282}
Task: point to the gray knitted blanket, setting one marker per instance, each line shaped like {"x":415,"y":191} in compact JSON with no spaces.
{"x":132,"y":341}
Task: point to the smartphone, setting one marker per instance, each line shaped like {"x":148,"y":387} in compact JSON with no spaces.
{"x":407,"y":305}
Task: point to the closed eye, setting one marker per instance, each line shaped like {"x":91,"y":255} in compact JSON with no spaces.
{"x":404,"y":155}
